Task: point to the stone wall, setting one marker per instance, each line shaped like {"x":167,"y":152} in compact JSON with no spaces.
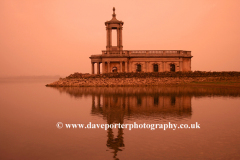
{"x":143,"y":79}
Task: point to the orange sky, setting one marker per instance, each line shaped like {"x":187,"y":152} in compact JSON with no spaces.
{"x":57,"y":37}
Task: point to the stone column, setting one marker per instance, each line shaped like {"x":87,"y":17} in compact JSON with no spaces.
{"x":130,"y":66}
{"x":180,"y":65}
{"x":92,"y":67}
{"x":118,"y":41}
{"x":166,"y":67}
{"x":163,"y":66}
{"x":107,"y":37}
{"x":126,"y":67}
{"x":120,"y":37}
{"x":110,"y":38}
{"x":108,"y":67}
{"x":103,"y":67}
{"x":98,"y":67}
{"x":120,"y":66}
{"x":146,"y":63}
{"x":149,"y":66}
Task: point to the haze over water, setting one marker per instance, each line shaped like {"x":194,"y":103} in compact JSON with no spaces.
{"x":30,"y":112}
{"x":58,"y":37}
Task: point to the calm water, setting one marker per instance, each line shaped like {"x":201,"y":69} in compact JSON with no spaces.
{"x":29,"y":112}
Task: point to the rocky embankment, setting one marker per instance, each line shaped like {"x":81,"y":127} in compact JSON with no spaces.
{"x":145,"y":79}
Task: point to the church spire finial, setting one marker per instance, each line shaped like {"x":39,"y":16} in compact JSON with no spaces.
{"x":114,"y":15}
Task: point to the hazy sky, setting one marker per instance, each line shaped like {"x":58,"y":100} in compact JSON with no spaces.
{"x":57,"y":37}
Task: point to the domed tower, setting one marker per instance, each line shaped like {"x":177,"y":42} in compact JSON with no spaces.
{"x":111,"y":25}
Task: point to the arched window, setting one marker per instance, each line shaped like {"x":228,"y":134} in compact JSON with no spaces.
{"x":139,"y":68}
{"x":155,"y":68}
{"x":172,"y":67}
{"x":114,"y":69}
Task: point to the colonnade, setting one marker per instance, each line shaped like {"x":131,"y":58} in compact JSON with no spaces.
{"x":98,"y":67}
{"x":107,"y":68}
{"x":130,"y":66}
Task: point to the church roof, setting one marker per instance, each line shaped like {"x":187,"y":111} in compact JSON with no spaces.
{"x":114,"y":19}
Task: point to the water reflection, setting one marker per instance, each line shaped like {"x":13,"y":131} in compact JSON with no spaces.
{"x":115,"y":143}
{"x":132,"y":102}
{"x":192,"y":91}
{"x":116,"y":107}
{"x":121,"y":103}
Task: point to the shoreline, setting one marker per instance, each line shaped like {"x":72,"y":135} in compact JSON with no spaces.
{"x":217,"y":79}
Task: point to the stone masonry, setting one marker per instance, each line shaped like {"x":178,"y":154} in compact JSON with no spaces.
{"x":115,"y":59}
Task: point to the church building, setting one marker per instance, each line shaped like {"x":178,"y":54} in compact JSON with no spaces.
{"x":115,"y":59}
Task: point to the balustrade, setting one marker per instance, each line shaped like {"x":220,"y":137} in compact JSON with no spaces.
{"x":145,"y":52}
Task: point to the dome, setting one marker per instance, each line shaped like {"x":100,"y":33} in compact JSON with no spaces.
{"x":114,"y":19}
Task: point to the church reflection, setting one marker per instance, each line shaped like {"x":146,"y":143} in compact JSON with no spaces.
{"x":115,"y":143}
{"x":115,"y":107}
{"x":116,"y":104}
